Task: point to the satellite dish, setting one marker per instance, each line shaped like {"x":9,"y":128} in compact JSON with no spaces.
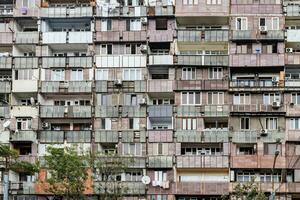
{"x":146,"y":180}
{"x":6,"y":124}
{"x":32,"y":101}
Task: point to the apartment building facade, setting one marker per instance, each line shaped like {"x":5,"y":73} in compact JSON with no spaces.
{"x":202,"y":94}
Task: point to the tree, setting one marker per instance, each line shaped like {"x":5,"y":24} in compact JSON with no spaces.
{"x":68,"y":173}
{"x":245,"y":191}
{"x":107,"y":172}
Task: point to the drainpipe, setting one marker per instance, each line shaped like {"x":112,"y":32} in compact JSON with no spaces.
{"x":273,"y":194}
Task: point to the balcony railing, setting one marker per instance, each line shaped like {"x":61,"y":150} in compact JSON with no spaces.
{"x":160,"y":136}
{"x":292,"y":59}
{"x":189,"y":111}
{"x":209,"y":136}
{"x":256,"y":108}
{"x":213,"y":84}
{"x":202,"y":36}
{"x":256,"y":7}
{"x":65,"y":111}
{"x":26,"y":62}
{"x":121,"y":61}
{"x":120,"y":111}
{"x":160,"y":110}
{"x":161,"y":10}
{"x":6,"y":38}
{"x":253,"y":84}
{"x":107,"y":136}
{"x":49,"y":62}
{"x":160,"y":161}
{"x":127,"y":86}
{"x":256,"y":35}
{"x":66,"y":86}
{"x":67,"y":37}
{"x":67,"y":12}
{"x":161,"y":35}
{"x":245,"y":137}
{"x":157,"y":85}
{"x":160,"y":60}
{"x":256,"y":60}
{"x":203,"y":60}
{"x":27,"y":37}
{"x":201,"y":188}
{"x":4,"y":112}
{"x":197,"y":161}
{"x":124,"y":11}
{"x":5,"y":62}
{"x":51,"y":137}
{"x":22,"y":135}
{"x":115,"y":36}
{"x":5,"y":86}
{"x":131,"y":188}
{"x":216,"y":110}
{"x":22,"y":187}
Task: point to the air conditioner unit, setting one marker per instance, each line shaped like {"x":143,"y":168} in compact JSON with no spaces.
{"x":118,"y":82}
{"x":289,"y":50}
{"x":45,"y":125}
{"x":275,"y":79}
{"x":24,"y":10}
{"x":143,"y":101}
{"x":292,"y":104}
{"x":66,"y":110}
{"x":263,"y":132}
{"x":144,"y":20}
{"x":275,"y":104}
{"x":144,"y":48}
{"x":263,"y":29}
{"x":137,"y":135}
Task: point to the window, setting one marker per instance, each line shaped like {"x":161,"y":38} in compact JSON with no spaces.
{"x":133,"y":99}
{"x":294,"y":124}
{"x":246,"y":150}
{"x":262,"y":22}
{"x":132,"y":48}
{"x":201,"y":151}
{"x":106,"y":123}
{"x":215,"y":98}
{"x":133,"y":176}
{"x":189,"y":124}
{"x":163,"y":101}
{"x":105,"y":99}
{"x":106,"y":24}
{"x":23,"y":74}
{"x":268,"y":177}
{"x":242,"y":99}
{"x":271,"y":123}
{"x":159,"y":197}
{"x":190,"y":2}
{"x":275,"y":23}
{"x":160,"y":176}
{"x":214,"y":2}
{"x":188,"y":73}
{"x":295,"y":98}
{"x":215,"y":73}
{"x":161,"y":24}
{"x":132,"y":149}
{"x":133,"y":25}
{"x":270,"y":149}
{"x":24,"y":123}
{"x":132,"y":74}
{"x":245,"y":176}
{"x":134,"y":123}
{"x":102,"y":74}
{"x":77,"y":75}
{"x":269,"y":98}
{"x":190,"y":98}
{"x":241,"y":23}
{"x":106,"y":49}
{"x":58,"y":75}
{"x":245,"y":123}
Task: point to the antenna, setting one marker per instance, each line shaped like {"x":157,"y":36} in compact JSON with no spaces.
{"x":146,"y":180}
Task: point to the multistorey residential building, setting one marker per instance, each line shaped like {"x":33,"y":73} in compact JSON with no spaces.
{"x":202,"y":94}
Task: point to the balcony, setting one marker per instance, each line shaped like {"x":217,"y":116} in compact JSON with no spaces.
{"x":65,"y":111}
{"x":67,"y":37}
{"x":292,"y":35}
{"x":293,"y":135}
{"x":203,"y":60}
{"x":255,"y":85}
{"x":63,"y":12}
{"x":6,"y":38}
{"x":158,"y":85}
{"x":124,"y":11}
{"x":202,"y":85}
{"x":25,"y":86}
{"x":84,"y":61}
{"x":256,"y":35}
{"x":256,"y":108}
{"x":292,"y":84}
{"x":5,"y":62}
{"x":131,"y":188}
{"x":202,"y":9}
{"x":160,"y":10}
{"x":5,"y":112}
{"x":160,"y":161}
{"x":293,"y":187}
{"x":197,"y":161}
{"x":256,"y":60}
{"x":120,"y":111}
{"x":160,"y":111}
{"x":160,"y":60}
{"x":161,"y":35}
{"x":256,"y":7}
{"x":160,"y":136}
{"x":248,"y":137}
{"x":121,"y":61}
{"x":66,"y":86}
{"x":27,"y":37}
{"x":189,"y":111}
{"x":5,"y":86}
{"x":26,"y":62}
{"x":23,"y":136}
{"x":127,"y":86}
{"x":117,"y":36}
{"x":292,"y":59}
{"x":194,"y":36}
{"x":257,"y":161}
{"x":201,"y":188}
{"x":107,"y":136}
{"x":216,"y":110}
{"x":51,"y":137}
{"x":23,"y":187}
{"x":18,"y":111}
{"x":207,"y":136}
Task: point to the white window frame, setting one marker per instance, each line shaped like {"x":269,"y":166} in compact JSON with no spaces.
{"x":243,"y":20}
{"x":241,"y":99}
{"x":271,"y":123}
{"x":218,"y":75}
{"x":294,"y":124}
{"x":160,"y":176}
{"x":269,"y":98}
{"x":58,"y":75}
{"x":189,"y":124}
{"x":194,"y":98}
{"x":219,"y":95}
{"x":133,"y":74}
{"x":102,"y":74}
{"x":275,"y":26}
{"x":188,"y":73}
{"x":26,"y":123}
{"x":135,"y":25}
{"x":76,"y":74}
{"x":137,"y":146}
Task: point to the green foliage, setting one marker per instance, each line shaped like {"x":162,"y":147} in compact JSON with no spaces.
{"x":245,"y":191}
{"x":26,"y":167}
{"x":68,"y":172}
